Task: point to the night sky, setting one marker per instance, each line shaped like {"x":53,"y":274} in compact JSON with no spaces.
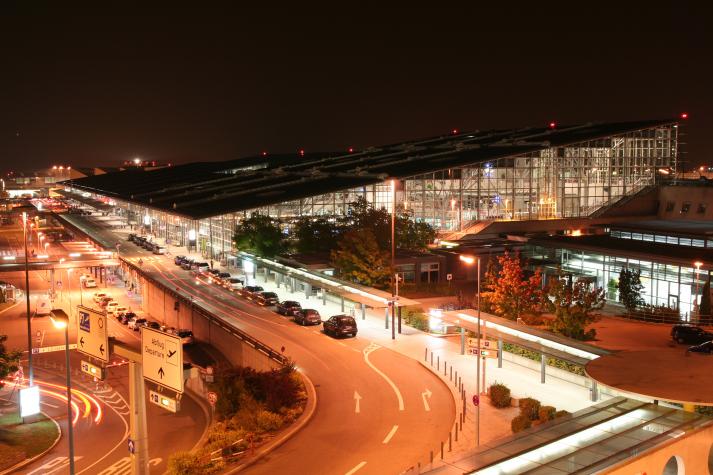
{"x":96,"y":87}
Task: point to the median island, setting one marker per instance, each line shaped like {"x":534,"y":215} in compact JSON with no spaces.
{"x":252,"y":407}
{"x":19,"y":442}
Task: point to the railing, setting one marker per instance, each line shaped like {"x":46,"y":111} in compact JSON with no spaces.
{"x":234,"y":331}
{"x":668,"y":318}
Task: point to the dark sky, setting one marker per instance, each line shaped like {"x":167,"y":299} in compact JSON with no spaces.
{"x":97,"y":87}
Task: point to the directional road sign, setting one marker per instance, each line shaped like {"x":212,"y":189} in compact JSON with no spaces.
{"x":162,"y":358}
{"x":92,"y":334}
{"x":473,"y":343}
{"x":484,"y":352}
{"x":161,"y":400}
{"x":92,"y":370}
{"x":50,"y":349}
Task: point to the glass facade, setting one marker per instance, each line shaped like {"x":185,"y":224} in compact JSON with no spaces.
{"x":673,"y":286}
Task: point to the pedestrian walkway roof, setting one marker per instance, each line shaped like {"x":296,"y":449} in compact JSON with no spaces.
{"x":588,"y":441}
{"x":200,"y":190}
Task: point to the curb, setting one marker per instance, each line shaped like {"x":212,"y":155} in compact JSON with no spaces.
{"x":29,"y":461}
{"x":6,"y":309}
{"x":206,"y":412}
{"x":299,"y":425}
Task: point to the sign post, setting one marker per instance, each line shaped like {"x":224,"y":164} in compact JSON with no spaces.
{"x":92,"y":334}
{"x":162,"y":358}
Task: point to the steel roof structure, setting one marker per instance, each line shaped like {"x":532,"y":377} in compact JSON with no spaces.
{"x":205,"y":189}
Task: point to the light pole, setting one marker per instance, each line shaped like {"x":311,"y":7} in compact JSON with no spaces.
{"x":27,"y":298}
{"x":393,"y":258}
{"x":698,"y":265}
{"x":60,"y":320}
{"x":470,"y":260}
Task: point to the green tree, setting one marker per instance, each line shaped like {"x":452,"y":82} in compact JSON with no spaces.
{"x":705,"y":307}
{"x":359,"y":258}
{"x":630,"y":287}
{"x":9,"y":360}
{"x":572,"y":304}
{"x":511,"y":294}
{"x":259,"y":234}
{"x":316,"y":235}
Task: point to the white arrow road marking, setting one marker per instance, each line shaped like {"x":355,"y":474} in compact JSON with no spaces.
{"x":54,"y":465}
{"x":426,"y":394}
{"x":352,"y":471}
{"x":390,"y":434}
{"x":357,"y":398}
{"x":373,"y":347}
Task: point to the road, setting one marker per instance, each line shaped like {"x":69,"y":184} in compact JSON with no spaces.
{"x":378,"y":411}
{"x":100,"y":433}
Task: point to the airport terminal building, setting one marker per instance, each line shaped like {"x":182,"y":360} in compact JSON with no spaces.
{"x":453,"y":182}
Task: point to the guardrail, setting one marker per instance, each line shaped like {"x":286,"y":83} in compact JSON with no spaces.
{"x":670,"y":319}
{"x":216,"y":320}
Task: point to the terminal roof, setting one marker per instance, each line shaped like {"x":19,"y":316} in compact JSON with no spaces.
{"x":204,"y":189}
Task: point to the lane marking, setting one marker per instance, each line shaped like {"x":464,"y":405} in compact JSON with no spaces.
{"x":367,"y":351}
{"x":426,"y":394}
{"x":357,"y":398}
{"x":354,"y":470}
{"x":390,"y":434}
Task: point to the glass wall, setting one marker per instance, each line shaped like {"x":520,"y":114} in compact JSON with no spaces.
{"x":664,"y":284}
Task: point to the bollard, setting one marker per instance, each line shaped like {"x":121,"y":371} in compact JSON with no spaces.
{"x":438,"y":363}
{"x":425,"y":355}
{"x":441,"y":450}
{"x":451,"y":376}
{"x":444,"y":368}
{"x":450,"y":441}
{"x":456,"y":380}
{"x":431,"y":358}
{"x":457,"y":429}
{"x":431,"y":456}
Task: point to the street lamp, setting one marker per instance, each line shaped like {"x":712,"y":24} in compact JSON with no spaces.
{"x":698,"y":265}
{"x":27,"y":298}
{"x":60,"y":320}
{"x":393,"y":265}
{"x":469,"y":260}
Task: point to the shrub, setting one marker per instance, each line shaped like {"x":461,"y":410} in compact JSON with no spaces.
{"x":561,"y":413}
{"x":520,"y":423}
{"x":185,"y":463}
{"x":416,"y":318}
{"x":499,"y":395}
{"x":530,"y":408}
{"x":546,"y":413}
{"x":268,"y":421}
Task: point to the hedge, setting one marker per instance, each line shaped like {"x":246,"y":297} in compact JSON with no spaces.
{"x":536,"y":356}
{"x":499,"y":395}
{"x":530,"y":408}
{"x":520,"y":423}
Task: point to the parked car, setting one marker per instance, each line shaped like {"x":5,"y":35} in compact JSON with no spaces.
{"x":131,"y":237}
{"x":98,"y":296}
{"x":126,"y":317}
{"x":202,"y":267}
{"x":288,"y":307}
{"x":223,"y":276}
{"x":90,"y":283}
{"x":233,"y":284}
{"x":249,"y":291}
{"x":136,"y":322}
{"x":307,"y":316}
{"x":187,"y":264}
{"x":159,"y":249}
{"x":111,"y":306}
{"x":186,"y":336}
{"x":706,"y":347}
{"x":105,"y":301}
{"x":340,"y":325}
{"x":213,"y":272}
{"x":690,"y":334}
{"x":154,"y":325}
{"x":178,"y":260}
{"x":120,"y":310}
{"x":267,"y":299}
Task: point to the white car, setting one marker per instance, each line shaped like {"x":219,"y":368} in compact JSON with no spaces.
{"x":233,"y":284}
{"x":90,"y":283}
{"x":99,"y":295}
{"x":116,"y":310}
{"x":112,"y":306}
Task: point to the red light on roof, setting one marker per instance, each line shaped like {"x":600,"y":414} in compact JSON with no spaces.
{"x":454,"y":131}
{"x":264,"y":154}
{"x":350,"y":149}
{"x":553,"y":125}
{"x":684,"y":115}
{"x":302,"y":152}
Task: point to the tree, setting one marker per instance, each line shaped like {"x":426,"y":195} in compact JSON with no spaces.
{"x":572,"y":304}
{"x":259,"y":234}
{"x":316,"y":235}
{"x":9,"y":360}
{"x":705,"y":307}
{"x":359,"y":258}
{"x":511,"y":294}
{"x":630,"y":289}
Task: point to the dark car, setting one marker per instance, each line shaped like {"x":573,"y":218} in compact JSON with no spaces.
{"x":267,"y":299}
{"x":690,"y":334}
{"x":186,"y":264}
{"x":104,"y":301}
{"x":154,"y":325}
{"x":307,"y":316}
{"x":131,"y":237}
{"x":224,"y":276}
{"x":288,"y":307}
{"x":706,"y":347}
{"x":340,"y":325}
{"x":124,"y":318}
{"x":213,"y":272}
{"x":250,"y":291}
{"x":178,"y":260}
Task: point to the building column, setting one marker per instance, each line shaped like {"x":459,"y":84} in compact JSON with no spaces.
{"x":543,"y":365}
